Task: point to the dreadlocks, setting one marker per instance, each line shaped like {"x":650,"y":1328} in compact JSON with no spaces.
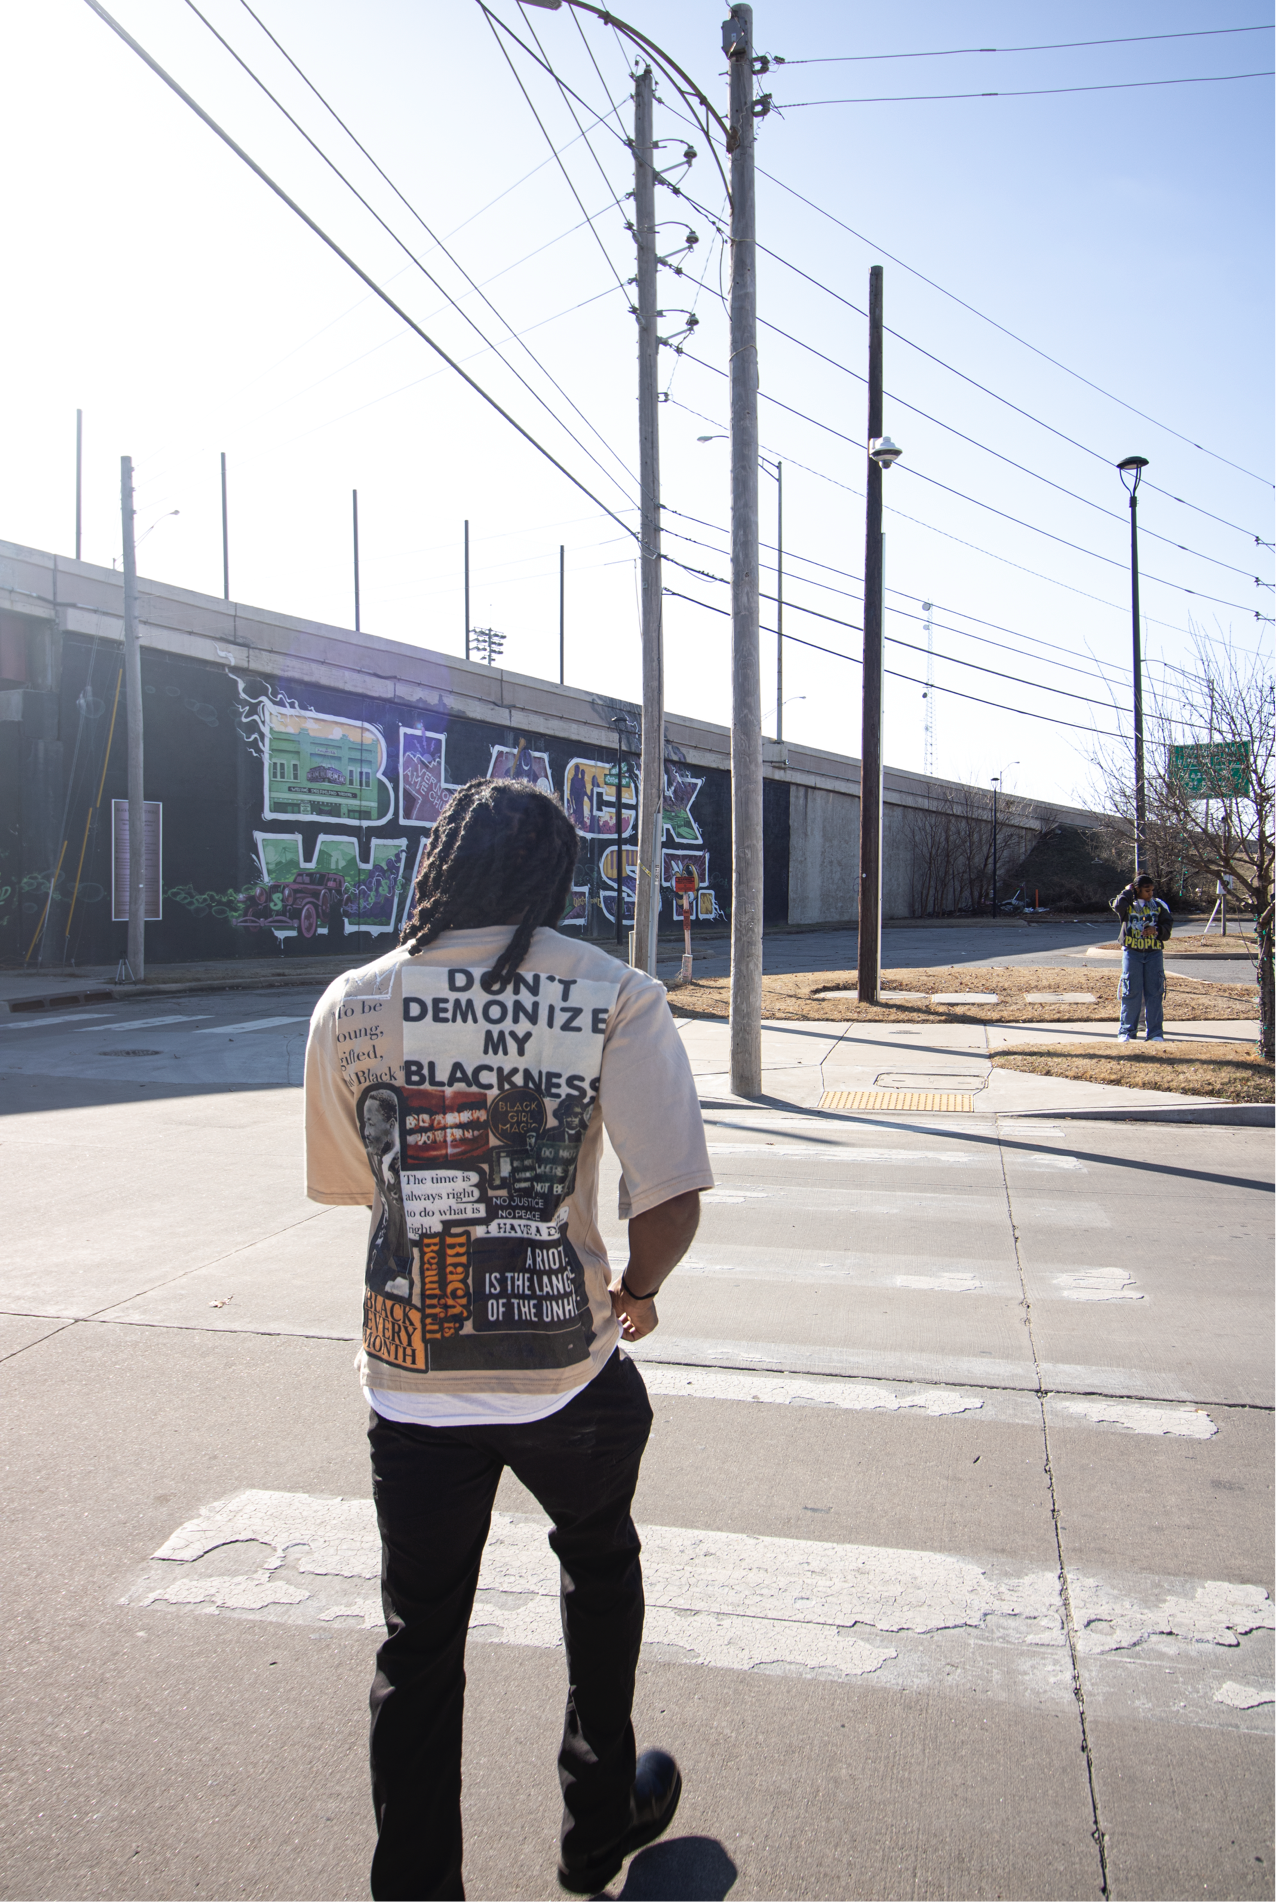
{"x":501,"y":851}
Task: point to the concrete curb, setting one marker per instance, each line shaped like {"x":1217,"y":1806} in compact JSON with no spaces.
{"x":1235,"y":1115}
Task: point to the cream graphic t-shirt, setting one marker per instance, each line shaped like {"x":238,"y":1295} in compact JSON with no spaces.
{"x":471,"y":1120}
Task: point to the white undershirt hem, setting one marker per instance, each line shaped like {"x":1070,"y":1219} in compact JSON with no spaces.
{"x":468,"y":1409}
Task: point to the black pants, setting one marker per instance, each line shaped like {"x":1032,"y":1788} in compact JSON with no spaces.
{"x":434,"y":1488}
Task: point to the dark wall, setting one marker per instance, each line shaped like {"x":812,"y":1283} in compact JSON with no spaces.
{"x":229,"y":758}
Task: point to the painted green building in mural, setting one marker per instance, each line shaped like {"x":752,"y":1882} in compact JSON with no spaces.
{"x":319,"y":768}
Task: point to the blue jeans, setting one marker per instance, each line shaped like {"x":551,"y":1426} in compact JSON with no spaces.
{"x":1142,"y":988}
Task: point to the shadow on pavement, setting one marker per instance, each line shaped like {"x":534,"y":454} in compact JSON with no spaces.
{"x":22,"y":1093}
{"x":689,"y":1869}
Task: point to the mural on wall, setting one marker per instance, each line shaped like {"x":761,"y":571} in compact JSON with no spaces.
{"x":521,"y":762}
{"x":305,"y":898}
{"x":423,"y":782}
{"x":589,"y":797}
{"x":319,"y":767}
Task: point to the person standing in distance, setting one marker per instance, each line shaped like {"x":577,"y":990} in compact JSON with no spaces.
{"x":504,"y":1048}
{"x":1146,"y":924}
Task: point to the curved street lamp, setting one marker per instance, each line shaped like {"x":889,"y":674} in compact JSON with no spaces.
{"x":1131,"y":469}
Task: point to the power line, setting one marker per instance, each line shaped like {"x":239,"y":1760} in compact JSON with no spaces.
{"x":1035,"y":92}
{"x":1028,"y":415}
{"x":822,"y":475}
{"x":1013,"y":335}
{"x":334,"y":167}
{"x":1023,"y":468}
{"x":1020,"y":567}
{"x":1049,"y":534}
{"x":1038,"y":686}
{"x":849,"y":304}
{"x":122,"y":33}
{"x":492,"y":23}
{"x":1095,"y":671}
{"x":855,"y":660}
{"x":1052,"y":46}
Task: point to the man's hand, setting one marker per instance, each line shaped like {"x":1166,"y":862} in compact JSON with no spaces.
{"x":636,"y":1317}
{"x":658,"y":1240}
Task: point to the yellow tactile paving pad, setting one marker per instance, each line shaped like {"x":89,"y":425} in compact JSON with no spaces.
{"x":895,"y":1100}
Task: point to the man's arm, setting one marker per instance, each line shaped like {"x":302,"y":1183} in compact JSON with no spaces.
{"x":658,"y":1240}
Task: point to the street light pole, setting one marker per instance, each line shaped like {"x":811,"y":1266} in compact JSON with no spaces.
{"x":882,"y":452}
{"x":133,"y":709}
{"x":746,"y":683}
{"x":1131,"y":469}
{"x":355,"y":505}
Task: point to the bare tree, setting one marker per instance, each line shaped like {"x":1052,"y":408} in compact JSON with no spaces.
{"x":1209,"y":815}
{"x":951,"y":839}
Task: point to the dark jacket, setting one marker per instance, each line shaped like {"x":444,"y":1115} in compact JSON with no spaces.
{"x":1164,"y":921}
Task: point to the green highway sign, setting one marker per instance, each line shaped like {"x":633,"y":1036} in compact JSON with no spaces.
{"x":1220,"y":771}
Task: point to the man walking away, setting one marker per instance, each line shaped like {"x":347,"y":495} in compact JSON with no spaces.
{"x":460,"y":1086}
{"x":1146,"y":924}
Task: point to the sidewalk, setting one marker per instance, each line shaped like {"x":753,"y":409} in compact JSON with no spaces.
{"x":804,"y":1062}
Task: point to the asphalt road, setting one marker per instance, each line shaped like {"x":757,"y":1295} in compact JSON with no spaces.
{"x":980,"y":946}
{"x":957,"y":1511}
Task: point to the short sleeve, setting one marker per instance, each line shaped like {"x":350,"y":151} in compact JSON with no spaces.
{"x":649,"y":1102}
{"x":337,"y":1168}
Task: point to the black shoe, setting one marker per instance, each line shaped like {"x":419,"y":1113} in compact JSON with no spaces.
{"x":657,"y":1788}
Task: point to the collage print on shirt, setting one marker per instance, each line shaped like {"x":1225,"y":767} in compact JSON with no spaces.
{"x":473,"y":1136}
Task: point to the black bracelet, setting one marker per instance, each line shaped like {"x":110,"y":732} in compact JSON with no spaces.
{"x":636,"y":1297}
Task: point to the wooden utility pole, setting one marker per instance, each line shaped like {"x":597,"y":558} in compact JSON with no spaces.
{"x":354,"y":493}
{"x":779,"y":601}
{"x":562,"y":615}
{"x":225,"y":536}
{"x":746,"y":683}
{"x":133,"y":711}
{"x":79,"y":479}
{"x":870,"y":916}
{"x":652,"y":783}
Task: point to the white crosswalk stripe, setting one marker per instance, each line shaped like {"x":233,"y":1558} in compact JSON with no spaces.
{"x":725,"y":1599}
{"x":54,"y":1020}
{"x":146,"y":1023}
{"x":255,"y":1023}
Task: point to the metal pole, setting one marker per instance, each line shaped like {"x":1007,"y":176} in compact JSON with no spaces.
{"x":79,"y":479}
{"x":746,"y":684}
{"x":133,"y":712}
{"x":225,"y":536}
{"x":620,"y":830}
{"x":994,"y":848}
{"x":928,"y":744}
{"x":1140,"y":791}
{"x":562,"y":615}
{"x":870,"y":915}
{"x":779,"y":601}
{"x":651,"y":787}
{"x":355,"y":499}
{"x":467,"y":591}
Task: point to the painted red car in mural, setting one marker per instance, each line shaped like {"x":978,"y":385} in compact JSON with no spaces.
{"x":307,"y":903}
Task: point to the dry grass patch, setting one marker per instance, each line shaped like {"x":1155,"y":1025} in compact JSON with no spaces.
{"x":1229,"y":1072}
{"x":793,"y":998}
{"x":1237,"y":944}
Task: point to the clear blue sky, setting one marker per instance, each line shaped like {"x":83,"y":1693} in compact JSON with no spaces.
{"x":156,"y":284}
